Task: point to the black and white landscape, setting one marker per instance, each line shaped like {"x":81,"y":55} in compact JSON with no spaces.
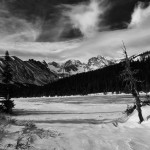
{"x":74,"y":74}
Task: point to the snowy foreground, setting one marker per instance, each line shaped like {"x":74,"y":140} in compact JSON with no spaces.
{"x":81,"y":123}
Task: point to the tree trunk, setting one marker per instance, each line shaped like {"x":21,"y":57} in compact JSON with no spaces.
{"x":138,"y":107}
{"x":138,"y":104}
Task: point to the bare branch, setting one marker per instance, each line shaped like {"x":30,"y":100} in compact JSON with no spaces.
{"x":128,"y":77}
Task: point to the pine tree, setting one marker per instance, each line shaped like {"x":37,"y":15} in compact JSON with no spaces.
{"x":8,"y":104}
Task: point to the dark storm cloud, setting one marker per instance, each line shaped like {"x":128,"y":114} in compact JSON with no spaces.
{"x":44,"y":28}
{"x":56,"y":27}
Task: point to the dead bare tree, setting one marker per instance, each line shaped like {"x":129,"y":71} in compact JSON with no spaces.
{"x":128,"y":77}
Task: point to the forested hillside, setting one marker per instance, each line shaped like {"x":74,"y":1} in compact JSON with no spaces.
{"x":103,"y":80}
{"x":28,"y":72}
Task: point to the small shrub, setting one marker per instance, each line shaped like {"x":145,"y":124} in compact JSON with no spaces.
{"x":146,"y":102}
{"x":130,"y":109}
{"x":7,"y":106}
{"x":29,"y":126}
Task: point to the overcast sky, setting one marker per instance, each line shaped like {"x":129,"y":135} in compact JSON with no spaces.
{"x":58,"y":30}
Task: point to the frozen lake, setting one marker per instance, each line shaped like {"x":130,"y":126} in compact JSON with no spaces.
{"x":76,"y":110}
{"x":85,"y":122}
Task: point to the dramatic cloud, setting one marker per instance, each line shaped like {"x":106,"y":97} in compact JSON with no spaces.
{"x":62,"y":29}
{"x":13,"y":29}
{"x":39,"y":50}
{"x":109,"y":43}
{"x":141,"y":16}
{"x":85,"y":16}
{"x":136,"y":36}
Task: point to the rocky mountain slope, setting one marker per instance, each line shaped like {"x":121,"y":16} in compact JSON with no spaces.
{"x":41,"y":73}
{"x":68,"y":68}
{"x":99,"y":62}
{"x":28,"y":72}
{"x":72,"y":67}
{"x":140,"y":57}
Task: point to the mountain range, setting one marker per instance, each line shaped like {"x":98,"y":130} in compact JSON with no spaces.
{"x":28,"y":72}
{"x":41,"y":73}
{"x":72,"y":67}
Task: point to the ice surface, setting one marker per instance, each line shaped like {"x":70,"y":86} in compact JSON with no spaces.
{"x":87,"y":122}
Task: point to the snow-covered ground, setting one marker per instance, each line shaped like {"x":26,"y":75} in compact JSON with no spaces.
{"x":86,"y":123}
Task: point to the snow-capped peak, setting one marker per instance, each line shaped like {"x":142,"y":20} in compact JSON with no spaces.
{"x":141,"y":57}
{"x":72,"y":62}
{"x":55,"y":64}
{"x":99,"y":62}
{"x":73,"y":66}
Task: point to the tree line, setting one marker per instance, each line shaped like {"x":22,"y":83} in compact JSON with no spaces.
{"x":103,"y":80}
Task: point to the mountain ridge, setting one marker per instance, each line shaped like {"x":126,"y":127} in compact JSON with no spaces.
{"x":72,"y":66}
{"x":41,"y":73}
{"x":28,"y":72}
